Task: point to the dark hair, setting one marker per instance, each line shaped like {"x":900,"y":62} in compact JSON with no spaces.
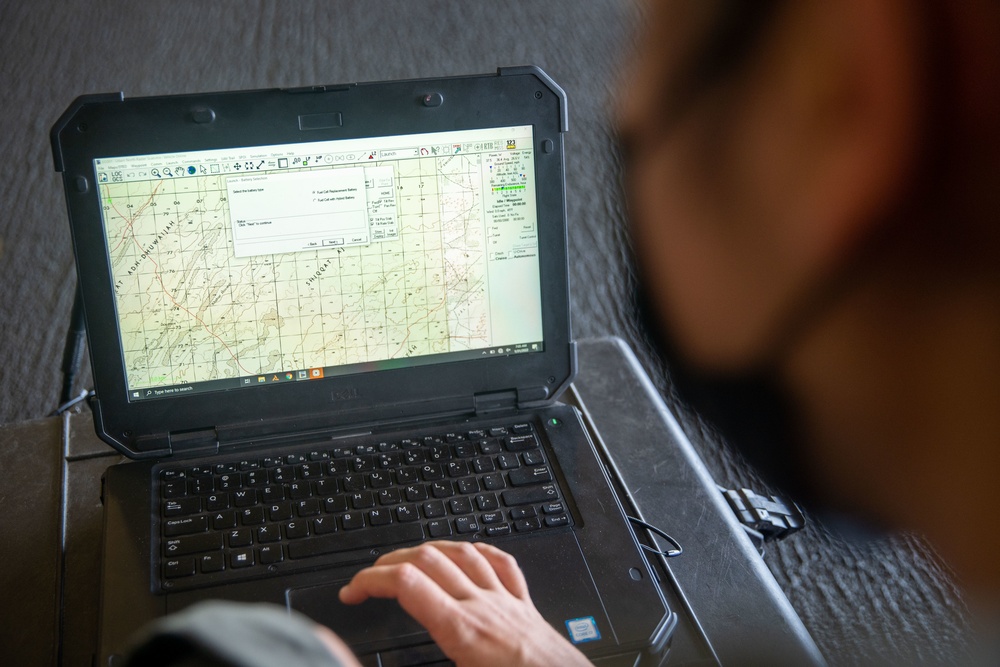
{"x":733,"y":34}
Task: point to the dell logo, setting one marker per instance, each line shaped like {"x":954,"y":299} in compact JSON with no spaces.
{"x":343,"y":394}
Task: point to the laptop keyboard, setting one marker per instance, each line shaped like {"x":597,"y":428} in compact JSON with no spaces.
{"x":350,"y":503}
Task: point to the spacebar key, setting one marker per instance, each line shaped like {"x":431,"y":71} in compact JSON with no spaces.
{"x":350,"y":541}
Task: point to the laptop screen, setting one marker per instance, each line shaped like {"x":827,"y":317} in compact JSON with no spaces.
{"x":244,"y":267}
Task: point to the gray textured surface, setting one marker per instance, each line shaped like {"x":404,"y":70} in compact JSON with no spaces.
{"x":882,"y":602}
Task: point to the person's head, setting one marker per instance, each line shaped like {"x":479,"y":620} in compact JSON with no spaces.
{"x":816,"y":221}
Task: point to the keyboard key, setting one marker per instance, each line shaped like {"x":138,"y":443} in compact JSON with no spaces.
{"x":181,"y":567}
{"x":254,"y":478}
{"x":379,"y":479}
{"x":529,"y":494}
{"x":389,"y":497}
{"x":379,"y":517}
{"x":434,"y":509}
{"x":244,"y":498}
{"x":201,"y":485}
{"x":174,"y":489}
{"x":431,"y":472}
{"x":251,"y":516}
{"x":415,"y":456}
{"x":440,"y":453}
{"x":487,"y":502}
{"x":415,"y":493}
{"x":268,"y":534}
{"x":489,"y":447}
{"x":269,"y":494}
{"x":241,"y":558}
{"x":352,"y":483}
{"x":533,"y":457}
{"x":439,"y":528}
{"x":325,"y":487}
{"x":213,"y":562}
{"x":216,"y":502}
{"x":240,"y":537}
{"x":363,"y":463}
{"x":527,"y":525}
{"x":308,"y":507}
{"x":525,"y":476}
{"x":554,"y":507}
{"x":229,"y":482}
{"x":442,"y":489}
{"x":405,"y":513}
{"x":484,"y":464}
{"x":335,"y":504}
{"x":498,"y":529}
{"x":466,"y":524}
{"x":516,"y":443}
{"x":192,"y":544}
{"x":508,"y":461}
{"x":407,"y":475}
{"x":468,"y":485}
{"x":460,"y":505}
{"x":224,"y":520}
{"x":465,"y":450}
{"x":323,"y":525}
{"x":182,"y":506}
{"x":279,"y":511}
{"x":185,"y":526}
{"x":352,"y":521}
{"x":270,"y":554}
{"x":493,"y":482}
{"x":295,"y":530}
{"x":458,"y":468}
{"x":298,"y":490}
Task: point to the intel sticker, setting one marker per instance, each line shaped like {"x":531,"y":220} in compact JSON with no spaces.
{"x":583,"y":630}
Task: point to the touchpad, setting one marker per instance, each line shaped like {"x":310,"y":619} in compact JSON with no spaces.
{"x":366,"y":626}
{"x":558,"y":577}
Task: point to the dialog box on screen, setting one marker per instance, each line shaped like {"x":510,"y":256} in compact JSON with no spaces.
{"x":310,"y":210}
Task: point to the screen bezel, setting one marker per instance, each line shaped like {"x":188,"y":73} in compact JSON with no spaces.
{"x":99,"y":128}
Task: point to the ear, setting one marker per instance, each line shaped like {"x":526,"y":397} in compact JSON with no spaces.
{"x":853,"y":130}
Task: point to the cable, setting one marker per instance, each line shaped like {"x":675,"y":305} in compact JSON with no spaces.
{"x":670,"y":553}
{"x":73,"y":352}
{"x":84,"y":395}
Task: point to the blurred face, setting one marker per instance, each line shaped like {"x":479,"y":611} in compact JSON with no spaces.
{"x":705,"y":149}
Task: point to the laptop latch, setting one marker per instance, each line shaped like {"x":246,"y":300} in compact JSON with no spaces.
{"x":205,"y":441}
{"x":499,"y":401}
{"x":514,"y":399}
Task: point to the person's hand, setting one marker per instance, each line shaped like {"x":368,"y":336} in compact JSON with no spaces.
{"x":473,"y":600}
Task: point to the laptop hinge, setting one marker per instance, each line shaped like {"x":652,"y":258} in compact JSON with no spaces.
{"x":205,"y":441}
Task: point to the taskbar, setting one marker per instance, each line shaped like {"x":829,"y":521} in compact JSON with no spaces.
{"x":313,"y":374}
